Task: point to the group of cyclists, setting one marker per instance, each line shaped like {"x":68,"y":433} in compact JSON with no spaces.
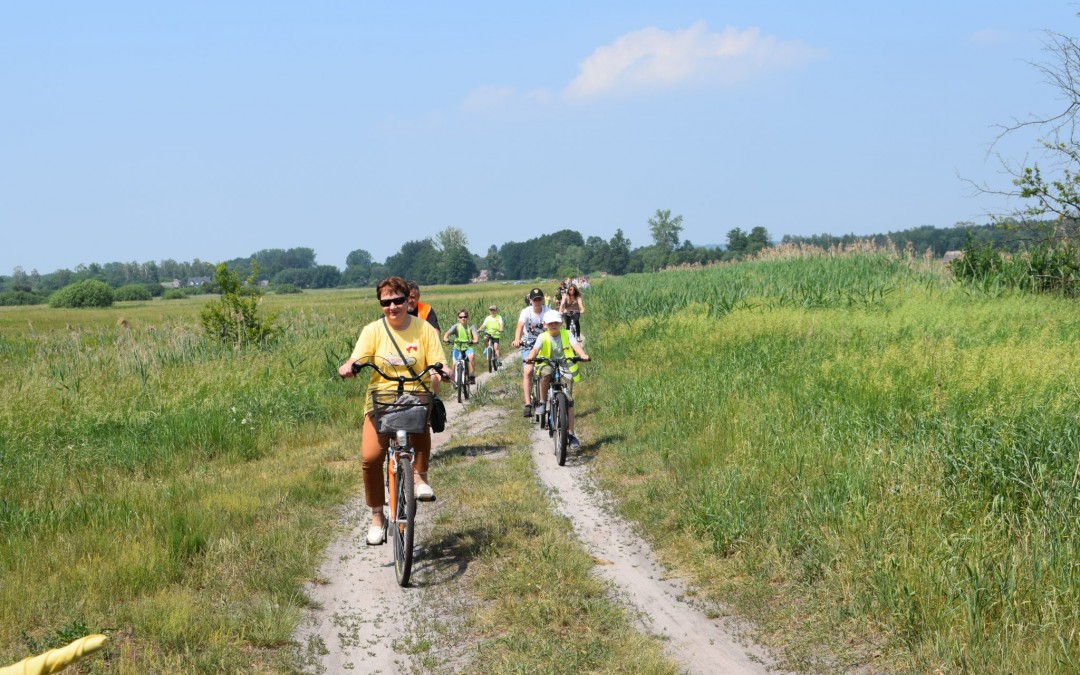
{"x":407,"y":339}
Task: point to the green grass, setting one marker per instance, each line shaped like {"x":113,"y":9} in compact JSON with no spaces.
{"x":855,"y":453}
{"x":168,"y":491}
{"x":536,"y":604}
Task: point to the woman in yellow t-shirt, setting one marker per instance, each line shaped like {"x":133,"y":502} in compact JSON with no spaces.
{"x":419,"y":342}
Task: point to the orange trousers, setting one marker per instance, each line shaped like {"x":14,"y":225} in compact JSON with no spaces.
{"x":373,"y":459}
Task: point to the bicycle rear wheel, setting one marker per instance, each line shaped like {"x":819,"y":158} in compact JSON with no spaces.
{"x":404,"y":520}
{"x":560,"y":415}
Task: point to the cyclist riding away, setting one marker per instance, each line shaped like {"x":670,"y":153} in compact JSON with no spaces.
{"x":417,"y":346}
{"x":464,"y":338}
{"x":556,"y":342}
{"x":493,"y":328}
{"x":529,"y":326}
{"x":422,"y":309}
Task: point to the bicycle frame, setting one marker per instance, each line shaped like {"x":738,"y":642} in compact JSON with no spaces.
{"x":400,"y":456}
{"x":557,"y":414}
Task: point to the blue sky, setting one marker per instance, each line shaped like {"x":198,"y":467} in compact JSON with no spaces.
{"x":144,"y":131}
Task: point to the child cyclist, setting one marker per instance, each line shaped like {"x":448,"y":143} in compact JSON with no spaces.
{"x":554,"y":342}
{"x":493,"y":327}
{"x":464,"y":336}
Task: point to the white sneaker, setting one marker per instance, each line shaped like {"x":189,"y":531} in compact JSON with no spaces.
{"x":376,"y":535}
{"x":424,"y":493}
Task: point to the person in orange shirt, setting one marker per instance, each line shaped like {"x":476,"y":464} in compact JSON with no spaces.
{"x":422,"y":309}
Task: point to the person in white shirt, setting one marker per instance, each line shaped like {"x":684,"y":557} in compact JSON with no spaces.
{"x":529,"y":326}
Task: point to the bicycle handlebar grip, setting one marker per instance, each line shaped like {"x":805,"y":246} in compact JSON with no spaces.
{"x":55,"y":660}
{"x":356,"y":367}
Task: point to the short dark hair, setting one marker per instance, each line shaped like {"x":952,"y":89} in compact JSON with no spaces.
{"x":413,"y":286}
{"x":396,"y":284}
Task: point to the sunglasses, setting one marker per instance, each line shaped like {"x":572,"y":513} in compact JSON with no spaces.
{"x":400,"y":300}
{"x":463,"y":316}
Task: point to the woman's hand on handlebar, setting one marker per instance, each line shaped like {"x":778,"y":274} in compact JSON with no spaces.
{"x":346,"y":369}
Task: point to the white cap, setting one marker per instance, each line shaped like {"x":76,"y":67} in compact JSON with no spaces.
{"x":551,"y":316}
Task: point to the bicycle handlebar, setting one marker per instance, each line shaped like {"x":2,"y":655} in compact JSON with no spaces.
{"x":572,"y":359}
{"x":401,"y":379}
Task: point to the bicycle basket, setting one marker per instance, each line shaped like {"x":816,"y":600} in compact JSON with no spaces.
{"x":408,"y":412}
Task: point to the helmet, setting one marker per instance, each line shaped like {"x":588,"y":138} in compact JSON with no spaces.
{"x":551,"y":316}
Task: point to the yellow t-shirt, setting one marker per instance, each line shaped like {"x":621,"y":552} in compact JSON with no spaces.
{"x":419,"y":342}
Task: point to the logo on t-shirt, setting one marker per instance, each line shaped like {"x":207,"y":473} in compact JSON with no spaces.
{"x":411,"y":347}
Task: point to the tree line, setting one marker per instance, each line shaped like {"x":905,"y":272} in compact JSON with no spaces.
{"x":446,"y":259}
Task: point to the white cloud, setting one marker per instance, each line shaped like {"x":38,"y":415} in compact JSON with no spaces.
{"x":988,"y":36}
{"x":653,"y":59}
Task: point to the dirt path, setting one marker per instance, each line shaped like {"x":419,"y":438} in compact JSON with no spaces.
{"x":361,"y":614}
{"x":363,"y":618}
{"x":700,"y":644}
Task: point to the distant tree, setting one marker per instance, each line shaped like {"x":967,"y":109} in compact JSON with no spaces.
{"x":597,"y":255}
{"x":493,"y":262}
{"x":757,"y":240}
{"x":450,"y":238}
{"x":456,"y":266}
{"x":737,"y":241}
{"x":665,"y":230}
{"x":618,"y":253}
{"x":416,"y":261}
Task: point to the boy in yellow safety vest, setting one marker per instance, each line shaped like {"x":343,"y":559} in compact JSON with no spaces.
{"x":560,"y":342}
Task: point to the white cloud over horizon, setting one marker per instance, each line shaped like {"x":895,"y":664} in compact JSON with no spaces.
{"x":654,"y":60}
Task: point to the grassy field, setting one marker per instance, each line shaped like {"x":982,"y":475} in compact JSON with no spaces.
{"x":877,"y":465}
{"x":855,"y":451}
{"x":168,"y":491}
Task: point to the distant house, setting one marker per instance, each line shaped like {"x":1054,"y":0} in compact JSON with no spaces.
{"x":199,"y":281}
{"x":175,"y":283}
{"x":482,"y":276}
{"x":952,"y":255}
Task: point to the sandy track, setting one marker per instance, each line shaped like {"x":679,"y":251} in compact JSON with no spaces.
{"x":363,"y":618}
{"x":700,"y":644}
{"x":362,"y":615}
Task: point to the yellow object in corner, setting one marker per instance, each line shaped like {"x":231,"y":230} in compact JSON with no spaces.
{"x":55,"y":660}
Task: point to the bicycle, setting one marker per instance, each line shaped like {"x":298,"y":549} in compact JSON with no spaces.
{"x":461,"y":368}
{"x":401,"y":413}
{"x":534,"y":396}
{"x":489,"y":355}
{"x":572,"y":321}
{"x":557,"y":415}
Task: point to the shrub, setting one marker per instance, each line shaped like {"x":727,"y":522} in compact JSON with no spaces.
{"x":234,"y":318}
{"x":174,"y":294}
{"x":20,"y":298}
{"x":132,"y":292}
{"x":156,"y":290}
{"x":88,"y":293}
{"x":286,"y":289}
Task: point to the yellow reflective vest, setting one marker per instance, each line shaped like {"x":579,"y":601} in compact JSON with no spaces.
{"x":568,"y":351}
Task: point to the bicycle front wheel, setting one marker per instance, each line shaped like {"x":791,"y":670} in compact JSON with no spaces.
{"x":560,"y":414}
{"x":459,"y":378}
{"x":404,"y":521}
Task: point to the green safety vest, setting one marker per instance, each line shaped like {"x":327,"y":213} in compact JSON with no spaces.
{"x":463,"y":333}
{"x":568,"y":351}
